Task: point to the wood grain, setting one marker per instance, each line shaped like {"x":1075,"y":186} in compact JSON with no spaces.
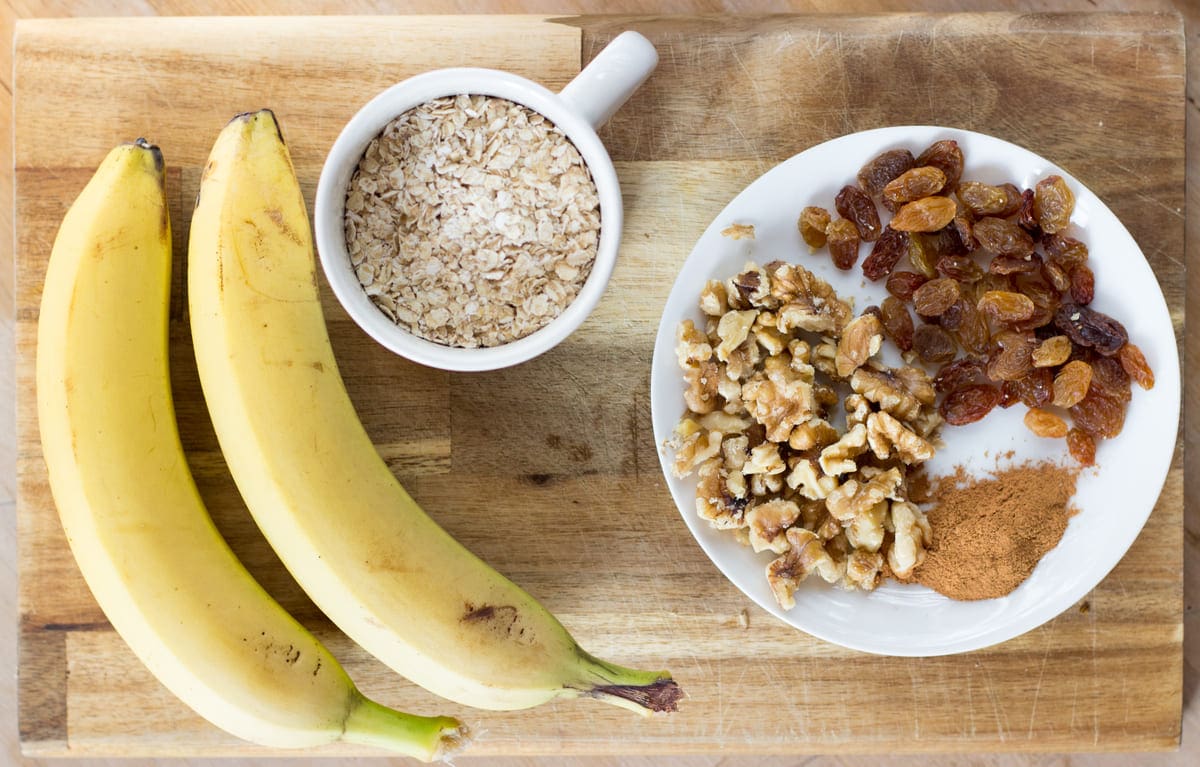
{"x":577,"y":466}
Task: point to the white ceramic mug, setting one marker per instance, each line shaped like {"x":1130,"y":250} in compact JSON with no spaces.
{"x":578,"y":111}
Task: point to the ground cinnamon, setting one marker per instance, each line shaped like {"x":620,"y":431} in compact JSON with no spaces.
{"x":989,"y":534}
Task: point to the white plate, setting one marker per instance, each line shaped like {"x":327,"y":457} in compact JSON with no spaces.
{"x":1114,"y":501}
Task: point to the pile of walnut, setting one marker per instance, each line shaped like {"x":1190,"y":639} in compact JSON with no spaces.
{"x":763,"y":378}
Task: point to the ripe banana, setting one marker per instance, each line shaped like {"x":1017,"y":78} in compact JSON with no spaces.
{"x":148,"y":550}
{"x":383,"y":571}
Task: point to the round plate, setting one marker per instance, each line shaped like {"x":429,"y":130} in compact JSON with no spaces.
{"x":1114,"y":499}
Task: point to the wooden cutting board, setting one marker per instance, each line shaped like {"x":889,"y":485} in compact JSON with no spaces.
{"x":549,"y":470}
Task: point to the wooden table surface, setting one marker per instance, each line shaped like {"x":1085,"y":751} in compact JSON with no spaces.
{"x":1190,"y":752}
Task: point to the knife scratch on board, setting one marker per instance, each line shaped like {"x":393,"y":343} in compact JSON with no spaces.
{"x":1037,"y":689}
{"x":742,"y":66}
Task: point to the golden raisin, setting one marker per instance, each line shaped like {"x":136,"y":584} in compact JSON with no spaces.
{"x":1082,"y":447}
{"x":1072,"y":383}
{"x":1027,"y":264}
{"x":1134,"y":363}
{"x":1013,"y":358}
{"x":1005,"y":306}
{"x":1014,"y":201}
{"x":812,"y":224}
{"x":1045,"y":424}
{"x":913,"y":185}
{"x":1053,"y":203}
{"x":946,"y":156}
{"x":1045,"y":301}
{"x":1002,"y":237}
{"x":987,"y":200}
{"x":1065,"y":251}
{"x":936,"y":296}
{"x":1056,"y":276}
{"x":928,"y":214}
{"x":1051,"y":352}
{"x":921,"y":256}
{"x":843,"y":243}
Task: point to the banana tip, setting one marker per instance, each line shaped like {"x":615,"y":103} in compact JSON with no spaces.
{"x":155,"y":152}
{"x":265,"y":111}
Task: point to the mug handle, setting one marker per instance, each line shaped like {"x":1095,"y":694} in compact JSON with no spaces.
{"x":611,"y":78}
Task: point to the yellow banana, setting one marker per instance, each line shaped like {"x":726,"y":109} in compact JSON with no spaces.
{"x":146,"y":545}
{"x":365,"y":552}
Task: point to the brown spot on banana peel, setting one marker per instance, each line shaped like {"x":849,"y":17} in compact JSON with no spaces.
{"x":504,"y":620}
{"x":277,"y":218}
{"x":489,"y":613}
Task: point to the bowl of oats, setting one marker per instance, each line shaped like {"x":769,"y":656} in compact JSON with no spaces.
{"x":469,"y":219}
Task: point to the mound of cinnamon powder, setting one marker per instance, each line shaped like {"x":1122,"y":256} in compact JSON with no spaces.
{"x":989,"y":534}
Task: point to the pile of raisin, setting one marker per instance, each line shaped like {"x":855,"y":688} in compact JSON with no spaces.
{"x":1001,"y":293}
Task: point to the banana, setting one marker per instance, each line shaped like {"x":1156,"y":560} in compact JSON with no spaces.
{"x":146,"y":545}
{"x":365,"y":552}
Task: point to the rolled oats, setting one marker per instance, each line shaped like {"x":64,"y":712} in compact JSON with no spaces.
{"x":739,"y":232}
{"x":472,"y":221}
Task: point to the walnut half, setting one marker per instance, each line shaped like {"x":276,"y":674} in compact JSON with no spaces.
{"x":768,"y":523}
{"x":859,"y":342}
{"x":839,"y":457}
{"x":884,"y":433}
{"x":853,"y":497}
{"x":806,"y":555}
{"x":913,"y":537}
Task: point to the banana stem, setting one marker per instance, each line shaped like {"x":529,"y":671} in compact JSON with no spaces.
{"x":642,"y":691}
{"x":421,"y":737}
